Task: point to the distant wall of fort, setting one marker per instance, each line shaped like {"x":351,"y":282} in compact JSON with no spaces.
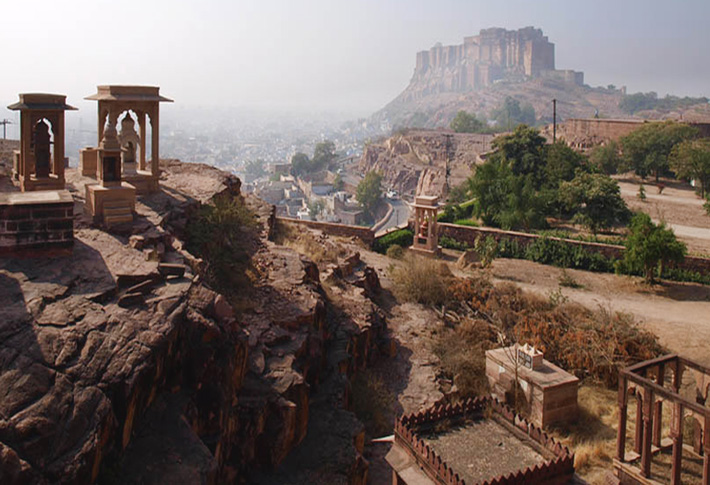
{"x":584,"y":133}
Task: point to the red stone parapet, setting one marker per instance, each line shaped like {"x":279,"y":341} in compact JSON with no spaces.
{"x":559,"y":469}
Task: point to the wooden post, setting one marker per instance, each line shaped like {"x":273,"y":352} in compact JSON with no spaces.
{"x":638,"y":436}
{"x":677,"y":436}
{"x":706,"y":455}
{"x":658,"y":409}
{"x":647,"y":431}
{"x":621,"y":432}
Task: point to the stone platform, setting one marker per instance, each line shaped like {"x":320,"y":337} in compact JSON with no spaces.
{"x":36,"y":223}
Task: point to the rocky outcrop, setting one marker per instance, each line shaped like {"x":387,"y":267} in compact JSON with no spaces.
{"x":414,"y":162}
{"x":120,"y":364}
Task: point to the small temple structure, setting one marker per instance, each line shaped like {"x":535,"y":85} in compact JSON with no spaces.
{"x":38,"y":220}
{"x":549,"y":392}
{"x":143,"y":102}
{"x":651,"y":384}
{"x":39,"y":165}
{"x":426,"y":231}
{"x":113,"y":200}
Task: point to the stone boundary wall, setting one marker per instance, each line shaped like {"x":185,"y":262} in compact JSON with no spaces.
{"x":560,"y":469}
{"x":365,"y":234}
{"x":469,"y":234}
{"x":36,"y":229}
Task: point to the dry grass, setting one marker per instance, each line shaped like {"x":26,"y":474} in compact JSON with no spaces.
{"x":373,"y":403}
{"x":319,"y":248}
{"x":421,"y":280}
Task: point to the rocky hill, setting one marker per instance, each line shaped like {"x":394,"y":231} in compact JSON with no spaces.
{"x":121,"y":364}
{"x":414,"y":161}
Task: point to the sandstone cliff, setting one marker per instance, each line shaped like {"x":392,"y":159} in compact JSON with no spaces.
{"x":117,"y":369}
{"x":414,"y":161}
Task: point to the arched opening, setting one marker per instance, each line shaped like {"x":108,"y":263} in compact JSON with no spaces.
{"x":42,"y":147}
{"x":130,"y":142}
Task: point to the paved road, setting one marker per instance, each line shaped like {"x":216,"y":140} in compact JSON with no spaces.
{"x":400,"y":214}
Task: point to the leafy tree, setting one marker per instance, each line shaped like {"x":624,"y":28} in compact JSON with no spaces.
{"x":369,"y":191}
{"x":316,"y":207}
{"x":509,"y":114}
{"x":691,"y":160}
{"x":338,"y":182}
{"x":255,"y":167}
{"x":523,"y":151}
{"x":649,"y":247}
{"x":465,"y":122}
{"x":562,"y":163}
{"x":595,"y":200}
{"x":300,"y":164}
{"x":648,"y":149}
{"x":606,"y":158}
{"x":323,"y":154}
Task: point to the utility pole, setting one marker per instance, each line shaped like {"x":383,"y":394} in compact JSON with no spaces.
{"x":4,"y":124}
{"x":554,"y":120}
{"x":448,"y":159}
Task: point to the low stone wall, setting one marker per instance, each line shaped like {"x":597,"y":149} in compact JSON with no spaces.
{"x":36,"y":223}
{"x":365,"y":234}
{"x":559,"y":469}
{"x":468,"y":235}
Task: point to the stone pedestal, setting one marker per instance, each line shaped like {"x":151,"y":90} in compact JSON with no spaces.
{"x":426,"y":231}
{"x":88,"y":161}
{"x":111,"y":205}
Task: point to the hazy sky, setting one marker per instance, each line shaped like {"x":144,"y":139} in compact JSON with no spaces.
{"x":348,"y":55}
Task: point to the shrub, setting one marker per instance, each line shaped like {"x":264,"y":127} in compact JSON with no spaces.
{"x":401,"y":237}
{"x":420,"y":280}
{"x":395,"y":251}
{"x":451,"y":243}
{"x":217,"y":233}
{"x":373,"y":402}
{"x":487,"y":250}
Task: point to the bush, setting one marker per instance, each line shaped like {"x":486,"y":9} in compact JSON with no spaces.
{"x":448,"y":242}
{"x":401,"y":237}
{"x":373,"y":402}
{"x":217,"y":234}
{"x":420,"y":280}
{"x":466,"y":222}
{"x":395,"y":251}
{"x":487,"y":250}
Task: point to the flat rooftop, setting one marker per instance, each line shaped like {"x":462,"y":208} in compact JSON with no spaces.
{"x":547,"y":375}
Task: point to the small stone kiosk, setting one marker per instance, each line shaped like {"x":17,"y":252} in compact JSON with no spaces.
{"x":111,"y":201}
{"x":426,"y":231}
{"x":144,"y":102}
{"x":37,"y":166}
{"x":550,"y":392}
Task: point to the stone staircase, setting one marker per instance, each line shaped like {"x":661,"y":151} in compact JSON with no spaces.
{"x":117,"y":212}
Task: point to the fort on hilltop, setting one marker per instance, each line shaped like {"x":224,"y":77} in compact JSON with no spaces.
{"x":494,"y":54}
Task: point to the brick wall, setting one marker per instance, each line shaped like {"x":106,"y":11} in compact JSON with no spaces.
{"x":365,"y":234}
{"x":469,"y":234}
{"x":36,"y":229}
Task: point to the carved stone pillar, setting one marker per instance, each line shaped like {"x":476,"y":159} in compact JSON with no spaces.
{"x":647,"y":431}
{"x":621,"y":432}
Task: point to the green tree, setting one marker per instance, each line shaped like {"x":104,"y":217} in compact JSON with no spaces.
{"x":465,"y":122}
{"x":691,"y":160}
{"x":606,"y":158}
{"x":562,"y":163}
{"x":510,"y":114}
{"x":647,"y":150}
{"x":300,"y":164}
{"x":338,"y":183}
{"x":369,"y":191}
{"x":595,"y":200}
{"x":523,"y":151}
{"x":323,"y":154}
{"x":649,"y":247}
{"x":255,"y":167}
